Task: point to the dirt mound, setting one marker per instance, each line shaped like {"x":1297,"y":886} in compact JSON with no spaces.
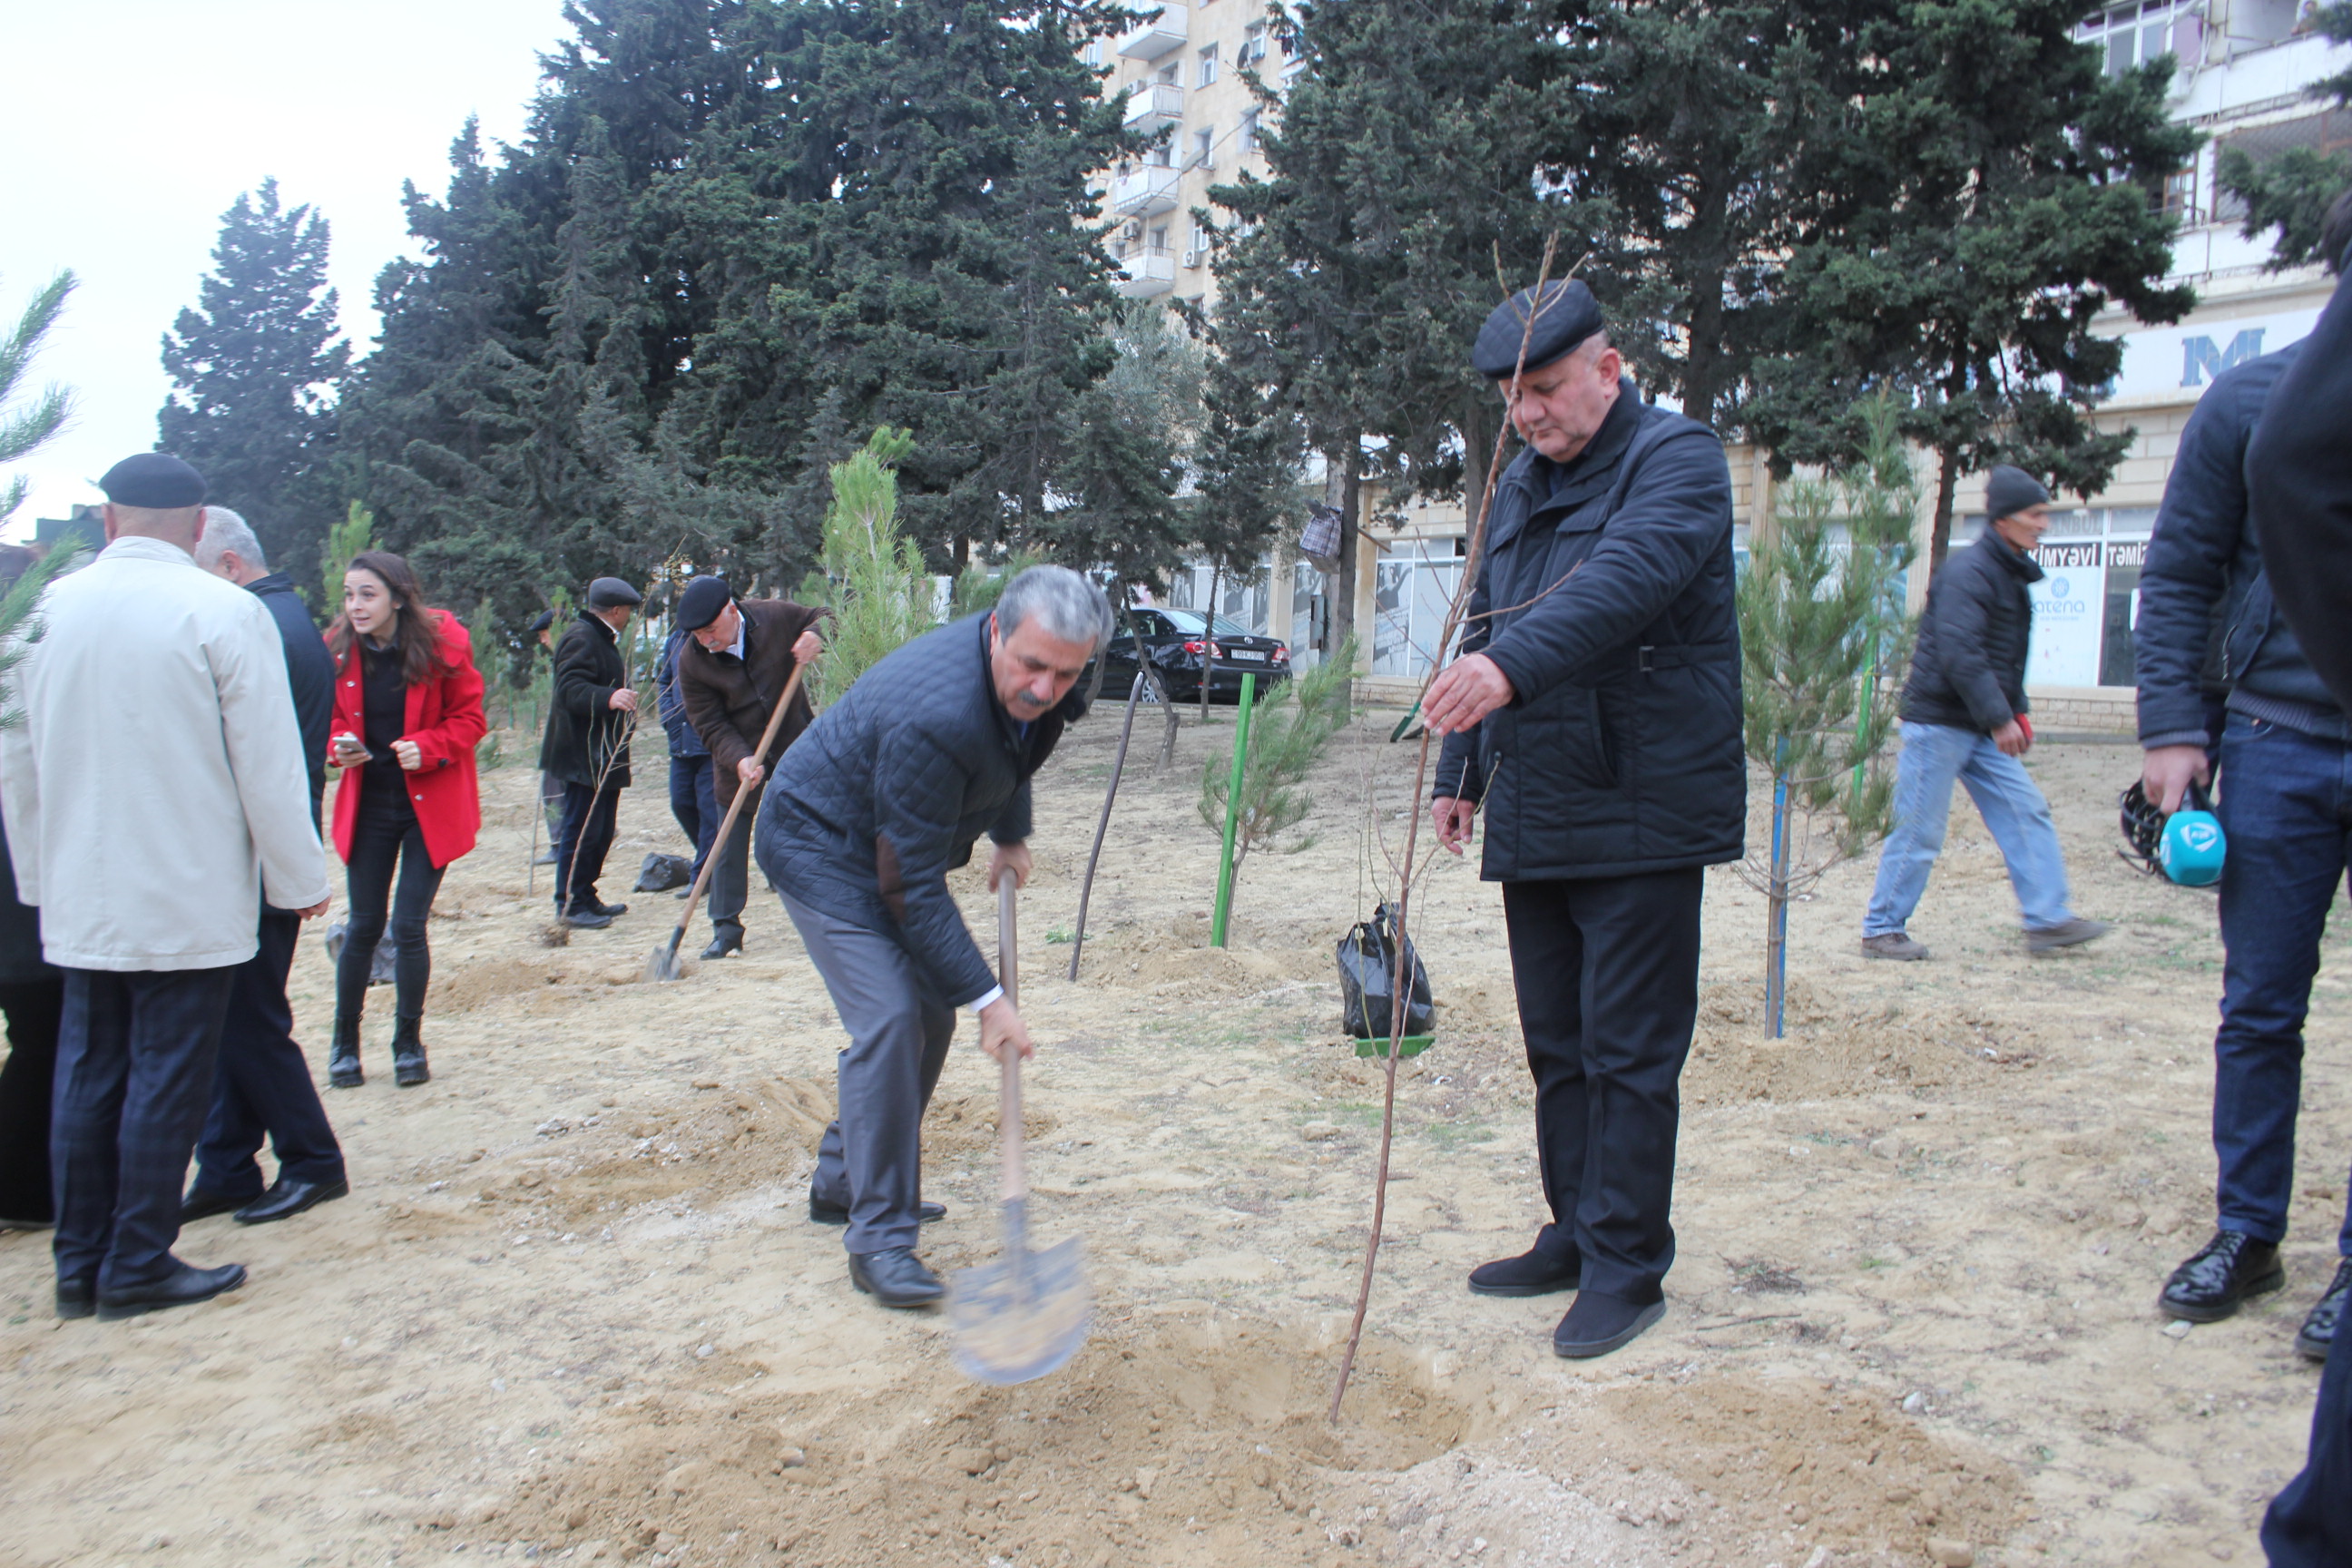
{"x":1207,"y":973}
{"x":1204,"y":1445}
{"x":1833,"y":1049}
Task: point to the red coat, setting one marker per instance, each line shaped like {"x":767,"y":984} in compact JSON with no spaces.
{"x":445,"y":720}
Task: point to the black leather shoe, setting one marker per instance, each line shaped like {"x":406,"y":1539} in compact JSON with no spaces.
{"x":588,"y":919}
{"x":1534,"y":1272}
{"x":726,"y":940}
{"x":344,"y":1059}
{"x":1597,"y":1324}
{"x":895,"y":1277}
{"x":610,"y":911}
{"x":77,"y":1298}
{"x":202,"y":1204}
{"x":286,"y":1199}
{"x":2319,"y":1328}
{"x":184,"y":1288}
{"x":408,"y":1069}
{"x":830,"y":1213}
{"x":2227,"y":1270}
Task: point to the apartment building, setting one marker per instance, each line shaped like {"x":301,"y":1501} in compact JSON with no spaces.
{"x":2243,"y":72}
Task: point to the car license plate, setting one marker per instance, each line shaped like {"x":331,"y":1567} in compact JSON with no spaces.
{"x":1253,"y":655}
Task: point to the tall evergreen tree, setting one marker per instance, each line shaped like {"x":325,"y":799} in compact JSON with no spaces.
{"x":27,"y":424}
{"x":256,"y":370}
{"x":2000,"y":196}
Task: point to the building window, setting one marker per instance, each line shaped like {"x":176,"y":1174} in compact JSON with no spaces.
{"x":2180,"y":199}
{"x":1208,"y":65}
{"x":2131,"y":35}
{"x":1204,"y":146}
{"x":1158,"y":242}
{"x":1248,"y":137}
{"x":1253,"y":45}
{"x":1093,"y":53}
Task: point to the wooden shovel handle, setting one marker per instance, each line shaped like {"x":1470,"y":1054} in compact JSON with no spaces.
{"x":726,"y":823}
{"x":1008,"y":974}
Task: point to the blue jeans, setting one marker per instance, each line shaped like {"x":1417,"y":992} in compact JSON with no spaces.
{"x":695,"y":803}
{"x":2287,"y":807}
{"x":1933,"y":756}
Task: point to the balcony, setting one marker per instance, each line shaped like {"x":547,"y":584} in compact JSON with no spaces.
{"x":1144,"y":192}
{"x":1149,"y":41}
{"x":1149,"y":273}
{"x":1154,"y":105}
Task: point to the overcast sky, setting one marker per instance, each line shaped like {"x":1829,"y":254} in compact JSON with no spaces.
{"x":133,"y":124}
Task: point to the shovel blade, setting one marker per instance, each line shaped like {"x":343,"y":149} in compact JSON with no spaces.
{"x":663,"y":965}
{"x":1021,"y":1317}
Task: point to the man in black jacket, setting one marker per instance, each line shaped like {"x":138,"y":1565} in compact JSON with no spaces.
{"x":589,"y":721}
{"x":736,"y":659}
{"x":1964,"y":719}
{"x":2300,"y":504}
{"x":867,"y":814}
{"x":2285,"y":751}
{"x":1595,"y":713}
{"x":261,"y":1081}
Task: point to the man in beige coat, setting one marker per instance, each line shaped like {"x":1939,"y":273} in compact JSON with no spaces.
{"x":155,"y":794}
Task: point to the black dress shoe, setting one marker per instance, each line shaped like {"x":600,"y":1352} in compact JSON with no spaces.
{"x":201,"y":1204}
{"x":832,"y":1214}
{"x":184,"y":1288}
{"x":895,"y":1277}
{"x":2319,"y":1328}
{"x":77,"y":1298}
{"x":1597,"y":1324}
{"x":587,"y":918}
{"x":2224,"y":1272}
{"x":1534,"y":1272}
{"x":286,"y":1199}
{"x":611,"y":911}
{"x":726,"y":940}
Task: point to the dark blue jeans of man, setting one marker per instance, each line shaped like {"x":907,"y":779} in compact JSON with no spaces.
{"x":135,"y":1055}
{"x":694,"y":801}
{"x":582,"y":842}
{"x":2309,"y":1524}
{"x":261,"y":1084}
{"x":2287,"y":807}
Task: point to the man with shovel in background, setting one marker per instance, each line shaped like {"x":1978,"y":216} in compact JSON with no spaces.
{"x":735,"y":657}
{"x":867,"y":814}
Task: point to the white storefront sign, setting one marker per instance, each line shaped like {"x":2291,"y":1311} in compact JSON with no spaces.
{"x":2168,"y":363}
{"x":2069,"y":615}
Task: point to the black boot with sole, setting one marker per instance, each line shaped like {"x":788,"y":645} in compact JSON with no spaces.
{"x":344,"y":1060}
{"x":408,"y":1069}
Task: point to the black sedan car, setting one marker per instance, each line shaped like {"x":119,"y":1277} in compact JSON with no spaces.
{"x":1181,"y":645}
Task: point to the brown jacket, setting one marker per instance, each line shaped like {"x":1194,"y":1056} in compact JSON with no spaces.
{"x":728,"y":700}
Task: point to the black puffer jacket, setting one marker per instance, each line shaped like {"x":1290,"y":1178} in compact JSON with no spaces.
{"x":2201,"y":563}
{"x":1968,"y":671}
{"x":584,"y":728}
{"x":2301,"y":501}
{"x":886,"y":793}
{"x":1612,"y":579}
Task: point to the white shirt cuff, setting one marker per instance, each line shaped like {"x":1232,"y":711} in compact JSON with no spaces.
{"x":977,"y":1003}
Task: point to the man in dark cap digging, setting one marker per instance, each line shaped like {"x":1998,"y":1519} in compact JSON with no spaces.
{"x":736,"y":659}
{"x":1964,"y":719}
{"x":157,"y":795}
{"x":587,"y":746}
{"x":1595,"y":714}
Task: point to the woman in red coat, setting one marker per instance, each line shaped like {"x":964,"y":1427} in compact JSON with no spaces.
{"x":408,"y":712}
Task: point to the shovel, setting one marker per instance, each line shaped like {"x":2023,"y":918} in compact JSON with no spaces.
{"x":662,"y":964}
{"x":1026,"y":1314}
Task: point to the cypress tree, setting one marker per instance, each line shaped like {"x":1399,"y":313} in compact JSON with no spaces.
{"x":256,"y":370}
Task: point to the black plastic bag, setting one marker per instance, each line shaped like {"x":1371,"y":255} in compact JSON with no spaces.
{"x":1367,"y":962}
{"x":660,"y":873}
{"x":380,"y":970}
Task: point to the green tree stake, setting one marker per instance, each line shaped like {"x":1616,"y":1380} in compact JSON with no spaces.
{"x":1232,"y":810}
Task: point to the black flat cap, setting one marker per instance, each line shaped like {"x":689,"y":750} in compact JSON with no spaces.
{"x":1569,"y":314}
{"x":156,"y":480}
{"x":605,"y":593}
{"x":541,"y":621}
{"x":701,"y":602}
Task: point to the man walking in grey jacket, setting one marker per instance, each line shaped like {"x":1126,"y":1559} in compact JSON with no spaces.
{"x":1964,"y":721}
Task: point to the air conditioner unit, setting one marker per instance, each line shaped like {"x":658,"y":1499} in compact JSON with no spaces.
{"x":1194,"y":255}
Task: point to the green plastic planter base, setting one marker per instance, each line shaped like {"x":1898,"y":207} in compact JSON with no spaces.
{"x":1410,"y":1046}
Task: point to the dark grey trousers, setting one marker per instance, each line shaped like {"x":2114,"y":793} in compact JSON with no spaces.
{"x":730,"y":878}
{"x":871,"y":1162}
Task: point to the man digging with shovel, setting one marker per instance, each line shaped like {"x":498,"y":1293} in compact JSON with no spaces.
{"x":865,"y":816}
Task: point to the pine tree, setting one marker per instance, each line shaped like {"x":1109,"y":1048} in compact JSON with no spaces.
{"x":880,"y":596}
{"x":255,"y":371}
{"x":1998,"y":199}
{"x":2292,"y":191}
{"x":26,"y":425}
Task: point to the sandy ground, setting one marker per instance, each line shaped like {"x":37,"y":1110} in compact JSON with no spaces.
{"x":573,"y":1307}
